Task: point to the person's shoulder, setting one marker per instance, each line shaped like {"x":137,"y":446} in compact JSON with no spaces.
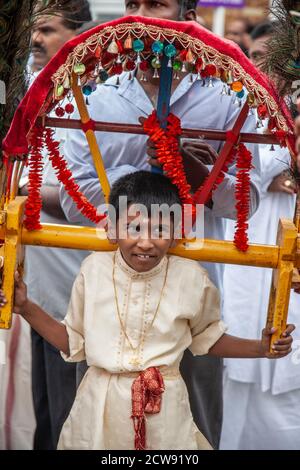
{"x":101,"y":260}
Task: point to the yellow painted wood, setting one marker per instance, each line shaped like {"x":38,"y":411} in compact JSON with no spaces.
{"x":216,"y":251}
{"x":12,"y":256}
{"x":91,"y":138}
{"x":282,"y":278}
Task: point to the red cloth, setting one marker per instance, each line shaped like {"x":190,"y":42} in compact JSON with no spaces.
{"x":146,"y":393}
{"x":16,"y":141}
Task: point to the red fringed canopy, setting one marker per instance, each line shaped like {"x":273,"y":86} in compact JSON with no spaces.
{"x":224,"y":54}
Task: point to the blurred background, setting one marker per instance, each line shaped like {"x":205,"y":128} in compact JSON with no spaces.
{"x":219,"y":16}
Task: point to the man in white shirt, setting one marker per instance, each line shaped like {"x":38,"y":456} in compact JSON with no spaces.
{"x":197,"y":107}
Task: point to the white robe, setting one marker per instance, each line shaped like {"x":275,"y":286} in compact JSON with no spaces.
{"x":266,"y":384}
{"x":188,"y":316}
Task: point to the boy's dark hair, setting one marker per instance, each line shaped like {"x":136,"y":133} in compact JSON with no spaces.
{"x":267,"y":28}
{"x":143,"y":187}
{"x":76,"y":14}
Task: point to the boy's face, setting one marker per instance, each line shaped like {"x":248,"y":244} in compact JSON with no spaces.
{"x":143,"y":241}
{"x":164,"y":9}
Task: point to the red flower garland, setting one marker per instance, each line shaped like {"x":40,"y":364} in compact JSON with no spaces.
{"x":168,"y":155}
{"x":244,"y":165}
{"x":34,"y":201}
{"x":64,"y":176}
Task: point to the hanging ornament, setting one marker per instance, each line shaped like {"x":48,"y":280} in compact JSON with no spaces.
{"x":237,"y":86}
{"x":69,"y":108}
{"x":87,"y":90}
{"x":210,"y":71}
{"x":79,"y":70}
{"x":157,"y":47}
{"x":67,"y":83}
{"x":128,"y":42}
{"x":262,"y":111}
{"x":251,"y":100}
{"x":224,"y":76}
{"x":170,"y":52}
{"x":113,"y":48}
{"x":198,"y":67}
{"x":138,"y":47}
{"x":98,"y":51}
{"x":156,"y":65}
{"x":144,"y":67}
{"x":224,"y":90}
{"x":177,"y":67}
{"x":190,"y":57}
{"x":103,"y":75}
{"x":129,"y":66}
{"x":59,"y":111}
{"x":240,"y":95}
{"x":59,"y":91}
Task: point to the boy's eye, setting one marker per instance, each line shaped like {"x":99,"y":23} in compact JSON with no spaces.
{"x":133,"y":229}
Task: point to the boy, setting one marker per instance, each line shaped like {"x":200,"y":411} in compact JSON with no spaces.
{"x":132,"y":314}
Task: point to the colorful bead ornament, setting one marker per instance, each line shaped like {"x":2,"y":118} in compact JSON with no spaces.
{"x":87,"y":90}
{"x":69,"y":108}
{"x":157,"y":47}
{"x":237,"y":86}
{"x":138,"y":46}
{"x":155,"y":62}
{"x":103,"y":76}
{"x":170,"y":52}
{"x":79,"y":70}
{"x":59,"y":111}
{"x":59,"y":91}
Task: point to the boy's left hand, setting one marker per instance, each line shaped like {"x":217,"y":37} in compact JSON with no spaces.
{"x":282,"y":347}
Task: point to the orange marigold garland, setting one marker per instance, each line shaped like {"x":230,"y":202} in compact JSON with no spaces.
{"x":243,"y":165}
{"x":64,"y":175}
{"x":34,"y":201}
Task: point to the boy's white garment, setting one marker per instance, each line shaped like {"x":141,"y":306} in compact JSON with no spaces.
{"x":188,"y":316}
{"x":246,"y":296}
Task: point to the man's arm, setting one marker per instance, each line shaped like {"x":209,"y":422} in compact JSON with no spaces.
{"x":224,"y":200}
{"x":50,"y":200}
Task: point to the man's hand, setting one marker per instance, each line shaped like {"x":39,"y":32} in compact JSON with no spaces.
{"x":281,"y":347}
{"x":282,"y":183}
{"x":20,"y":296}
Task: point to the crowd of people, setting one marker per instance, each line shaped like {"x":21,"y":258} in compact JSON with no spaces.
{"x":260,"y":396}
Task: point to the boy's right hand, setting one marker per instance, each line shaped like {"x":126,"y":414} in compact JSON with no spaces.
{"x":20,"y":296}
